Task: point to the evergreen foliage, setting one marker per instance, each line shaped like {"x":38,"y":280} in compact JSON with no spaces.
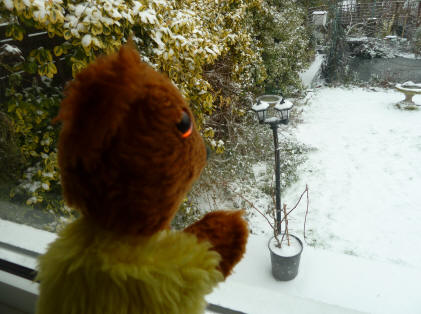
{"x":281,"y":32}
{"x":335,"y":67}
{"x":220,"y":54}
{"x":417,"y":42}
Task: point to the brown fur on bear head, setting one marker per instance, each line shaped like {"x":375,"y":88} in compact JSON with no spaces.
{"x":124,"y":161}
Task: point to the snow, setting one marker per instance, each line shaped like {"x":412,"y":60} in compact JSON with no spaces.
{"x":326,"y":283}
{"x":261,"y":106}
{"x":259,"y":171}
{"x":308,"y":76}
{"x":411,"y":84}
{"x":357,"y":39}
{"x":86,"y":40}
{"x":286,"y":105}
{"x":271,"y":120}
{"x":287,"y":250}
{"x":8,"y":4}
{"x":11,"y":49}
{"x":270,"y":99}
{"x":364,"y":175}
{"x":148,"y":16}
{"x":361,"y":252}
{"x":409,"y":87}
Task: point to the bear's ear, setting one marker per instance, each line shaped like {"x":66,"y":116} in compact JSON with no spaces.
{"x":97,"y":102}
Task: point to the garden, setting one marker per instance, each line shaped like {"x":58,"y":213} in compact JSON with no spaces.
{"x":348,"y":153}
{"x":217,"y":54}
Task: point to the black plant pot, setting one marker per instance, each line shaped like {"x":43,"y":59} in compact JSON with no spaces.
{"x":285,"y":268}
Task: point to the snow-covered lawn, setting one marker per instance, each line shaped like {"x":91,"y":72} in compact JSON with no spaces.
{"x":362,"y":252}
{"x":364,"y":176}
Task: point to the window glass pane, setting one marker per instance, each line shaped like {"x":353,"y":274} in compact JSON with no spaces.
{"x":30,"y":96}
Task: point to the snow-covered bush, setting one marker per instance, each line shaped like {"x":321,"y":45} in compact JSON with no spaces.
{"x":179,"y":38}
{"x":369,"y":48}
{"x":280,"y":29}
{"x":217,"y":53}
{"x":31,"y":109}
{"x":10,"y":158}
{"x":252,"y":145}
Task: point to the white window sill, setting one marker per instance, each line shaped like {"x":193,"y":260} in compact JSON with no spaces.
{"x":20,"y":246}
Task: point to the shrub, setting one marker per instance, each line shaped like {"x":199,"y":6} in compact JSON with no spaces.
{"x":31,"y":109}
{"x":179,"y":38}
{"x":280,"y":30}
{"x":417,"y":42}
{"x":215,"y":52}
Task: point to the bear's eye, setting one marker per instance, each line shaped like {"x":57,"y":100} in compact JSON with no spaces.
{"x":185,"y":126}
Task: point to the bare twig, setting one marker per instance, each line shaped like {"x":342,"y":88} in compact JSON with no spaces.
{"x":306,"y":190}
{"x":286,"y":223}
{"x":251,"y":204}
{"x":285,"y":218}
{"x":305,"y":218}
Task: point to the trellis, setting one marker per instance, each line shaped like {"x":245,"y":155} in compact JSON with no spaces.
{"x":370,"y":18}
{"x":387,"y":17}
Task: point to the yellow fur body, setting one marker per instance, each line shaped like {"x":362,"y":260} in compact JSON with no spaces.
{"x":89,"y":270}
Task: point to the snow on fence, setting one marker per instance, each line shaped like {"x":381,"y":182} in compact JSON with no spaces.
{"x":400,"y":17}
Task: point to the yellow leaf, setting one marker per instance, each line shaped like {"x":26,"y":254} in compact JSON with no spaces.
{"x":48,"y":55}
{"x":117,"y":30}
{"x":77,"y":67}
{"x":59,"y":32}
{"x":43,"y":69}
{"x":52,"y":68}
{"x":58,"y":51}
{"x":106,"y":30}
{"x":220,"y":149}
{"x":50,"y":28}
{"x":53,"y":16}
{"x":67,"y":34}
{"x":18,"y":34}
{"x":27,"y":13}
{"x":96,"y":29}
{"x":18,"y":113}
{"x":19,"y":5}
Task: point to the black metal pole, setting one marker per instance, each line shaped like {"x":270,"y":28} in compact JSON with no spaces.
{"x":274,"y":127}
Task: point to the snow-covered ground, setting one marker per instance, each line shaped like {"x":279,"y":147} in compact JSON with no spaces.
{"x":365,"y":174}
{"x":308,"y":76}
{"x":362,"y":251}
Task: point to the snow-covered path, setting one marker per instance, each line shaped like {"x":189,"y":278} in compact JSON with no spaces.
{"x":364,"y":176}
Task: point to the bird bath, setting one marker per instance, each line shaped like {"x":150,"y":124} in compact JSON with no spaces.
{"x":409,"y":89}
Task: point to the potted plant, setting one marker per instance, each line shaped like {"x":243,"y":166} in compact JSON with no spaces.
{"x":285,"y":248}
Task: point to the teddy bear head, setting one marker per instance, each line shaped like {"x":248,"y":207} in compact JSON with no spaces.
{"x":129,"y":149}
